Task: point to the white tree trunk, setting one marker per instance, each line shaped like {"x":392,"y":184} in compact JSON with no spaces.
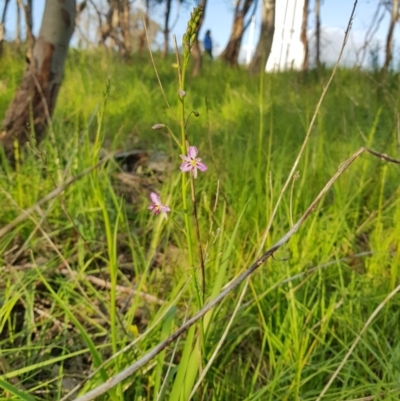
{"x":264,"y":45}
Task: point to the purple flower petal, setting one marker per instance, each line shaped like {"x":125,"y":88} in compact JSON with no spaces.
{"x":155,"y":198}
{"x":164,"y":210}
{"x":185,"y":167}
{"x":191,"y":163}
{"x":192,"y":152}
{"x":201,"y":166}
{"x":157,"y":207}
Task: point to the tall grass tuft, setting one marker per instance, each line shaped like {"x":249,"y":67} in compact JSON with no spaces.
{"x":90,"y":272}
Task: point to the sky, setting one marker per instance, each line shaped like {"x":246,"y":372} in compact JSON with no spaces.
{"x":219,"y":16}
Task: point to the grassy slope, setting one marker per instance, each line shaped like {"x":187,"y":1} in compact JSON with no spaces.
{"x":287,"y":342}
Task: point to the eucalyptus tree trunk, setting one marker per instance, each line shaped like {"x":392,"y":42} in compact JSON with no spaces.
{"x":196,"y":53}
{"x":112,"y":20}
{"x":231,"y":52}
{"x":30,"y":39}
{"x":142,"y":35}
{"x":303,"y":35}
{"x":317,"y":11}
{"x":126,"y":29}
{"x":35,"y":99}
{"x":2,"y":26}
{"x":264,"y":45}
{"x":18,"y":27}
{"x":389,"y":38}
{"x":166,"y":27}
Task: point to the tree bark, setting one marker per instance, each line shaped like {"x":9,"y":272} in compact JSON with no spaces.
{"x":264,"y":45}
{"x":196,"y":53}
{"x":112,"y":21}
{"x":303,"y":35}
{"x":317,"y":33}
{"x":231,"y":52}
{"x":166,"y":27}
{"x":369,"y":37}
{"x":30,"y":39}
{"x":35,"y":99}
{"x":18,"y":27}
{"x":389,"y":38}
{"x":142,"y":35}
{"x":2,"y":26}
{"x":125,"y":28}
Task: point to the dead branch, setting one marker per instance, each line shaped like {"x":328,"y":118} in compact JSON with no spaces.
{"x":370,"y":33}
{"x":118,"y":378}
{"x":99,"y":282}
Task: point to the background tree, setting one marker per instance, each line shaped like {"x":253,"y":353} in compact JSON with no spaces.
{"x":30,"y":39}
{"x":317,"y":11}
{"x":389,"y":38}
{"x":145,"y":25}
{"x":264,"y":45}
{"x":35,"y":99}
{"x":196,"y":52}
{"x":140,"y":20}
{"x":125,"y":29}
{"x":2,"y":26}
{"x":109,"y":28}
{"x":18,"y":27}
{"x":166,"y":26}
{"x":117,"y":26}
{"x":231,"y":52}
{"x":303,"y":35}
{"x":368,"y":46}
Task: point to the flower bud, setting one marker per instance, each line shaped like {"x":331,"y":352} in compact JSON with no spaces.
{"x":158,"y":126}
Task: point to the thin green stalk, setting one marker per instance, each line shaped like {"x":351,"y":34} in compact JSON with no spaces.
{"x":261,"y":124}
{"x":191,"y":364}
{"x":197,"y":230}
{"x":181,"y":78}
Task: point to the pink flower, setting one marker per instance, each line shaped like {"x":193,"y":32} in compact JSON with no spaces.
{"x":191,"y":163}
{"x":158,"y":207}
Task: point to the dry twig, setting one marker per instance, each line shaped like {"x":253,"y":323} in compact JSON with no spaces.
{"x":118,"y":378}
{"x":106,"y":284}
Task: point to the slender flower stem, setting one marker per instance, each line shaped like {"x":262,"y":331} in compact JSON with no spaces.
{"x":196,"y":225}
{"x":181,"y":76}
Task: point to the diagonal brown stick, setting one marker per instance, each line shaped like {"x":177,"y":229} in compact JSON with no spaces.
{"x":102,"y":283}
{"x":50,"y":196}
{"x":118,"y":378}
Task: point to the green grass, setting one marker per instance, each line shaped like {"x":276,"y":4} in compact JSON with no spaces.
{"x":288,"y":338}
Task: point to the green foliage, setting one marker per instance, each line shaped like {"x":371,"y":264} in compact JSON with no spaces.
{"x":57,"y":325}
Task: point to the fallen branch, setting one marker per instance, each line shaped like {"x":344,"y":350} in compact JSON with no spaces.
{"x":118,"y":378}
{"x":106,"y":284}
